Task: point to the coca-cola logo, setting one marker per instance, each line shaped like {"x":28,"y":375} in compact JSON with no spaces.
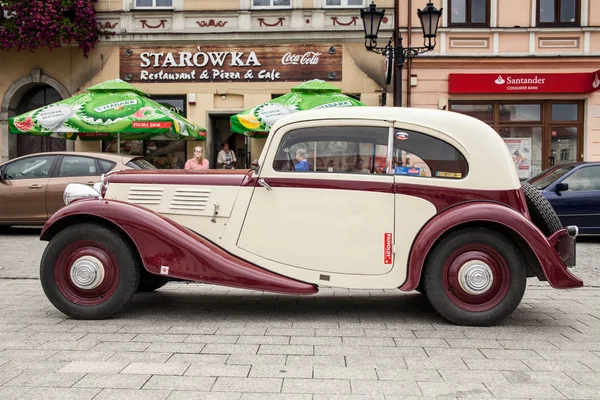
{"x":308,"y":58}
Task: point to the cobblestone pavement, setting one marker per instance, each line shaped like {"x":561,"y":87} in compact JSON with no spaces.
{"x":192,"y":341}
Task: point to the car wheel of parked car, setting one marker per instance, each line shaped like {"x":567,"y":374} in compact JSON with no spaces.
{"x":88,"y":271}
{"x":150,"y":282}
{"x":475,"y":276}
{"x":541,"y":211}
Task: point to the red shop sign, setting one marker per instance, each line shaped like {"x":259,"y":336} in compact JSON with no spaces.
{"x":509,"y":82}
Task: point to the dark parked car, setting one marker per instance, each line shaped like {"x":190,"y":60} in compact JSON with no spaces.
{"x":574,"y":192}
{"x":32,"y":186}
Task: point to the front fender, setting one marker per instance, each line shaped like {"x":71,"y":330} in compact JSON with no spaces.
{"x":485,"y":212}
{"x":161,"y":242}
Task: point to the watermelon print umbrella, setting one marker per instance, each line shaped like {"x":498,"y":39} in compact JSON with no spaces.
{"x":309,"y":95}
{"x":107,"y":111}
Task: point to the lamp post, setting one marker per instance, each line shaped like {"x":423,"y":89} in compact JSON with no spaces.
{"x":397,"y":54}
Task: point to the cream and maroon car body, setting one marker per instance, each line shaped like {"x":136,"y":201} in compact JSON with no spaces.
{"x":294,"y":232}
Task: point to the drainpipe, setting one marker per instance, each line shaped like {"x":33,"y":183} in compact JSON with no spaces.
{"x":409,"y":60}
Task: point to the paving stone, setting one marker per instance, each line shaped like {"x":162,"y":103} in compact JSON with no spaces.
{"x":404,"y":374}
{"x":578,"y":392}
{"x":527,"y":344}
{"x":212,"y":339}
{"x":140,"y":356}
{"x":112,"y":381}
{"x":159,"y":338}
{"x":131,"y":394}
{"x":60,"y":394}
{"x":524,"y":390}
{"x":137,"y":329}
{"x":193,"y":330}
{"x":473,"y":344}
{"x":249,"y":349}
{"x":413,"y":352}
{"x":496,"y":365}
{"x":166,"y":347}
{"x":290,"y":332}
{"x":462,"y":390}
{"x":585,"y":378}
{"x":180,"y":383}
{"x":295,"y":385}
{"x":362,"y":386}
{"x":195,"y":395}
{"x":10,"y":393}
{"x":32,"y":378}
{"x":435,"y":363}
{"x":413,"y":342}
{"x":143,"y":368}
{"x":7,"y":374}
{"x":502,"y":354}
{"x":76,"y":355}
{"x":218,"y":370}
{"x":62,"y":337}
{"x":94,"y":367}
{"x":569,"y":355}
{"x":40,"y":366}
{"x":368,"y":341}
{"x":316,"y":360}
{"x":285,"y":349}
{"x":334,"y":372}
{"x":434,"y":352}
{"x":288,"y":371}
{"x":255,"y":385}
{"x":111,"y":337}
{"x":75,"y":345}
{"x":539,"y":377}
{"x":199,"y":359}
{"x":276,"y":396}
{"x":121,"y":346}
{"x":391,"y":333}
{"x":265,"y":340}
{"x":317,"y":340}
{"x":247,"y":359}
{"x":376,"y":362}
{"x":458,"y":376}
{"x":360,"y":332}
{"x":27,"y":355}
{"x":555,"y":365}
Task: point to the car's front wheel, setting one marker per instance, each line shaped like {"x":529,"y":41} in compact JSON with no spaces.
{"x":475,"y":276}
{"x":88,"y":271}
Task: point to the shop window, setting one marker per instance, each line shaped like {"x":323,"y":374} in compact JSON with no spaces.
{"x":469,"y":13}
{"x":271,"y":3}
{"x":558,"y":12}
{"x":563,"y":141}
{"x":483,"y":112}
{"x":520,"y":112}
{"x":565,"y":112}
{"x":345,"y":3}
{"x":417,"y":154}
{"x":355,"y":149}
{"x":525,"y":146}
{"x":584,"y":179}
{"x":153,"y":3}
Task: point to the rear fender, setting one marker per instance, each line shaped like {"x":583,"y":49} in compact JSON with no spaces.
{"x":472,"y":213}
{"x":168,"y":249}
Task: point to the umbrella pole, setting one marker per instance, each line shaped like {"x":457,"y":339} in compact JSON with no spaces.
{"x":118,"y":142}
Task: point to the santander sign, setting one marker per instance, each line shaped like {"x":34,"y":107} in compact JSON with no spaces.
{"x":524,"y":83}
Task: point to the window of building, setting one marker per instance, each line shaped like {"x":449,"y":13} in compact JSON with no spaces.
{"x":584,"y":179}
{"x":558,"y":12}
{"x":345,"y":3}
{"x":539,"y":134}
{"x":469,"y":13}
{"x":347,"y":149}
{"x":153,"y":3}
{"x":417,"y":154}
{"x":271,"y":3}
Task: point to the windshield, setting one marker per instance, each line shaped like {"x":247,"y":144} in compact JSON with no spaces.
{"x":546,"y":178}
{"x":140,"y":163}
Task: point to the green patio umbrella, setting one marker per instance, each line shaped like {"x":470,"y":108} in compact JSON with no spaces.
{"x":107,"y":111}
{"x":309,"y":95}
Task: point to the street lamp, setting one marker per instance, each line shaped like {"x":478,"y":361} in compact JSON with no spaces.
{"x":372,"y":17}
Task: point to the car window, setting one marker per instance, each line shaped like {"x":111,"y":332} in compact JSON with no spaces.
{"x":140,"y":163}
{"x":107,"y":165}
{"x":339,"y":149}
{"x":417,"y":154}
{"x":547,"y":177}
{"x":78,"y":166}
{"x":584,"y":179}
{"x":27,"y":168}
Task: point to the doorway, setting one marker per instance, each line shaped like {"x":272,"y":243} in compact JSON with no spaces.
{"x":220,"y":133}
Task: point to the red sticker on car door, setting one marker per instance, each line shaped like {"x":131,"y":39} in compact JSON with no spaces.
{"x":387,"y":248}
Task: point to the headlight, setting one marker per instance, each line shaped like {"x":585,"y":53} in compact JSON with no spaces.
{"x":75,"y":191}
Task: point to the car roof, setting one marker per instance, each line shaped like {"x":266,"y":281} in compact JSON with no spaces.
{"x":484,"y":149}
{"x":106,"y":156}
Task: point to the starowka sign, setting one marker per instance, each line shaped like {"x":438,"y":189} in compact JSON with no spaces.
{"x":509,"y":82}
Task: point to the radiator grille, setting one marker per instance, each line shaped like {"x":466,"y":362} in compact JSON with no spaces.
{"x":145,"y":195}
{"x":190,"y":199}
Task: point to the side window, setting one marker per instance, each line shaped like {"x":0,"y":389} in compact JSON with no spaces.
{"x":107,"y":165}
{"x":78,"y":166}
{"x":347,"y":149}
{"x":31,"y":167}
{"x":584,"y":179}
{"x":417,"y":154}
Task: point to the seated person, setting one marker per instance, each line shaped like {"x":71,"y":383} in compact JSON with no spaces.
{"x":301,"y":163}
{"x":359,"y":167}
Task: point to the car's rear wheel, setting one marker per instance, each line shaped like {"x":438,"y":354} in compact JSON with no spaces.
{"x":88,"y":271}
{"x":475,"y":276}
{"x":541,"y":211}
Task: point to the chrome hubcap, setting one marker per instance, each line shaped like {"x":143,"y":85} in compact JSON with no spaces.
{"x":475,"y":277}
{"x":87,"y":272}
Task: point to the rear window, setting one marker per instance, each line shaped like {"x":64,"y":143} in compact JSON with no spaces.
{"x":107,"y":165}
{"x":547,"y":177}
{"x":140,"y":163}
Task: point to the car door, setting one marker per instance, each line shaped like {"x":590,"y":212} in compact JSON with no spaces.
{"x":317,"y":207}
{"x":580,"y":204}
{"x":71,"y":169}
{"x":23,"y":189}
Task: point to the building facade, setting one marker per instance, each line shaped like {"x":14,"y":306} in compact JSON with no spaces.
{"x":531,"y":74}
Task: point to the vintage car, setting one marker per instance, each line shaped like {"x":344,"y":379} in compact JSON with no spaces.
{"x":361,"y":197}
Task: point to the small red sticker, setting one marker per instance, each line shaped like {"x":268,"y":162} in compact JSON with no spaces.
{"x":388,"y":245}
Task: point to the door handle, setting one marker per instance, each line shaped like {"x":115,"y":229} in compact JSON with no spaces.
{"x":90,"y":183}
{"x":264,"y":184}
{"x":35,"y":186}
